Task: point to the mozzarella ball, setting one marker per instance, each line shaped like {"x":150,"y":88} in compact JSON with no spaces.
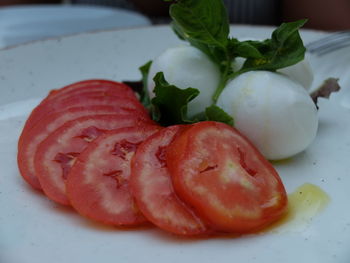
{"x":300,"y":72}
{"x":274,"y":112}
{"x":184,"y":67}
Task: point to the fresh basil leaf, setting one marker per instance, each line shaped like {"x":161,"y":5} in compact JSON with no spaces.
{"x":215,"y":113}
{"x":204,"y":24}
{"x":215,"y":53}
{"x":205,"y":21}
{"x":243,"y":49}
{"x":143,"y":93}
{"x":285,"y":48}
{"x":178,"y":31}
{"x":170,"y":102}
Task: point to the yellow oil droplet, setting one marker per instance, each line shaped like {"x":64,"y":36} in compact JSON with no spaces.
{"x":304,"y":204}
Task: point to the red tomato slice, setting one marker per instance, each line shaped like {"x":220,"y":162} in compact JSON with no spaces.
{"x":93,"y":85}
{"x":30,"y":140}
{"x":58,"y":105}
{"x":225,"y":179}
{"x":152,"y":188}
{"x":98,"y":183}
{"x":56,"y":154}
{"x":88,"y":93}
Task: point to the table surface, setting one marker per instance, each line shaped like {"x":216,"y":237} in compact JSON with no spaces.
{"x":26,"y":23}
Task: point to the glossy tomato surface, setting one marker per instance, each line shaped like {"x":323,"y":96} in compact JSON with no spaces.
{"x":92,"y":85}
{"x":30,"y":140}
{"x":152,"y":187}
{"x":225,"y":179}
{"x":57,"y":153}
{"x":48,"y":107}
{"x":98,"y":183}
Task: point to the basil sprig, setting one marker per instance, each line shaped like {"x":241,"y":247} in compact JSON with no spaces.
{"x":205,"y":25}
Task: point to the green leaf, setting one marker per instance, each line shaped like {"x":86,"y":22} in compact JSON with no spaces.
{"x":285,"y":48}
{"x":204,"y":24}
{"x":144,"y":96}
{"x":170,"y":103}
{"x":215,"y":113}
{"x":202,"y":20}
{"x":243,"y":49}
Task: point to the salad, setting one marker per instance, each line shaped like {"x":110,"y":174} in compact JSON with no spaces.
{"x":189,"y":152}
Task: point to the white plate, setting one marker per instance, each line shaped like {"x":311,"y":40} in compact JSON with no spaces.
{"x":34,"y":229}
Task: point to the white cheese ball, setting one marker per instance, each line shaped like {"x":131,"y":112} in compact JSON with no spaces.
{"x":184,"y":67}
{"x":300,"y":72}
{"x":274,"y":112}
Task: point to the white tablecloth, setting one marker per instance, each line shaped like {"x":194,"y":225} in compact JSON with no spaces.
{"x":21,"y":24}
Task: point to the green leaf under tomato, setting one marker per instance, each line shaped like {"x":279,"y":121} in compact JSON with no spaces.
{"x":215,"y":113}
{"x":144,"y":96}
{"x":170,"y":103}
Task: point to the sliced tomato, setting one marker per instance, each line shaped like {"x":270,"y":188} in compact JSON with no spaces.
{"x":30,"y":140}
{"x":56,"y":154}
{"x":98,"y":183}
{"x":152,"y":188}
{"x":43,"y":110}
{"x":89,"y":93}
{"x":93,"y":85}
{"x":225,"y":179}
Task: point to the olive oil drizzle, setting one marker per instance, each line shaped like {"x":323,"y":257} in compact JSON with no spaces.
{"x":304,"y":204}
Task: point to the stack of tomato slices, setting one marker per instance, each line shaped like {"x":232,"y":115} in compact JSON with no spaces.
{"x":93,"y":146}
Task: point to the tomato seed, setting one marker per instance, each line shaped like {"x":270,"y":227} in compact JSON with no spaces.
{"x":122,"y":148}
{"x":209,"y":168}
{"x":117,"y":176}
{"x":66,"y":160}
{"x":161,"y":156}
{"x":91,"y":133}
{"x":243,"y":163}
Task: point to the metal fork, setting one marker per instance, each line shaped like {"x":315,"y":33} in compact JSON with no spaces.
{"x":329,"y":43}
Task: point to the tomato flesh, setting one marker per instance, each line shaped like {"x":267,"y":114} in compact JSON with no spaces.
{"x":93,"y":85}
{"x":50,"y":107}
{"x":152,"y":187}
{"x":225,"y":179}
{"x":98,"y":183}
{"x":57,"y":153}
{"x":30,"y":140}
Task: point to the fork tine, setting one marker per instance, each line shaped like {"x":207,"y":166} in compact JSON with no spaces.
{"x":331,"y":48}
{"x":326,"y":42}
{"x":331,"y":37}
{"x":329,"y":43}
